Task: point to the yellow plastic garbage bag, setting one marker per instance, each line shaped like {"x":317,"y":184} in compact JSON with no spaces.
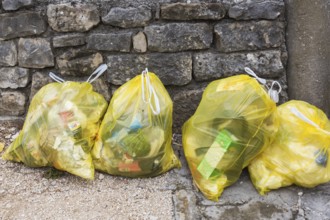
{"x":300,"y":153}
{"x":60,"y":128}
{"x":136,"y":133}
{"x":233,"y":123}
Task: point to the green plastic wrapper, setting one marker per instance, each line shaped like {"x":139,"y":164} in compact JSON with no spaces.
{"x":60,"y":129}
{"x":234,"y":122}
{"x":136,"y":133}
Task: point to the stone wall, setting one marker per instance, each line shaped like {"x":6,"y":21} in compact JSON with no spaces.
{"x":186,"y":43}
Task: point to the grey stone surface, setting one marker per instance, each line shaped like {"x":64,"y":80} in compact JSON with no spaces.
{"x":258,"y":9}
{"x":208,"y":66}
{"x":185,"y":205}
{"x":178,"y":36}
{"x":35,"y":53}
{"x":251,"y":210}
{"x":102,"y":87}
{"x":315,"y":202}
{"x":78,"y":62}
{"x":309,"y":51}
{"x":69,"y":40}
{"x":242,"y":201}
{"x":21,"y":24}
{"x":284,"y":97}
{"x":38,"y":81}
{"x":128,"y":17}
{"x":12,"y":103}
{"x":169,"y":196}
{"x":242,"y":36}
{"x":72,"y":17}
{"x":173,"y":69}
{"x":140,"y":42}
{"x":120,"y":42}
{"x":13,"y":77}
{"x":186,"y":101}
{"x":8,"y":53}
{"x":192,"y":11}
{"x":10,"y":5}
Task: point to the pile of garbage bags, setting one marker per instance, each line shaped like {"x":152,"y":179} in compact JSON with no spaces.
{"x":136,"y":133}
{"x":299,"y":153}
{"x":236,"y":125}
{"x":60,"y":127}
{"x":234,"y":122}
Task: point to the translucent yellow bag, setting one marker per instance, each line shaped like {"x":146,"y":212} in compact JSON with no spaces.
{"x":232,"y":124}
{"x":136,"y":133}
{"x":300,"y":153}
{"x":60,"y":128}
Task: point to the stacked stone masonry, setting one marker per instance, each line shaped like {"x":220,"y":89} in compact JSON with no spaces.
{"x":186,"y":44}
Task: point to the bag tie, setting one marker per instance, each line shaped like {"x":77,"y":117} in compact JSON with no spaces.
{"x":95,"y":75}
{"x":145,"y":79}
{"x":272,"y":92}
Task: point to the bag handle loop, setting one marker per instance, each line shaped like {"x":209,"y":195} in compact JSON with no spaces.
{"x":56,"y":78}
{"x":145,"y":79}
{"x":98,"y":72}
{"x":251,"y":73}
{"x":95,"y":75}
{"x":272,"y":92}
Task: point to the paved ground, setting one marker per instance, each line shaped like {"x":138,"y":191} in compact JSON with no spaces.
{"x":27,"y":193}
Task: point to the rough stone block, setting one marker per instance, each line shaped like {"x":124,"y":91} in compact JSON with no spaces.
{"x":102,"y":87}
{"x":209,"y":66}
{"x":140,"y":42}
{"x":21,"y":24}
{"x":185,"y":205}
{"x":251,"y":210}
{"x":11,"y":5}
{"x":8,"y":53}
{"x":186,"y":102}
{"x":259,"y":9}
{"x":128,"y":17}
{"x":315,"y":202}
{"x":38,"y":81}
{"x":12,"y":103}
{"x":242,"y":201}
{"x":120,"y":42}
{"x":242,"y":36}
{"x":35,"y":53}
{"x":78,"y":62}
{"x":192,"y":11}
{"x":284,"y":84}
{"x":173,"y":69}
{"x":13,"y":77}
{"x":178,"y":37}
{"x":69,"y":40}
{"x":67,"y":17}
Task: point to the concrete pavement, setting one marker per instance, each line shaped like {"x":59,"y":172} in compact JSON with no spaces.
{"x":27,"y":193}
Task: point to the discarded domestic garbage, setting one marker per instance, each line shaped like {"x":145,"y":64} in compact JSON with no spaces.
{"x":136,"y":133}
{"x":300,"y":152}
{"x":60,"y":127}
{"x":2,"y":146}
{"x":233,"y":123}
